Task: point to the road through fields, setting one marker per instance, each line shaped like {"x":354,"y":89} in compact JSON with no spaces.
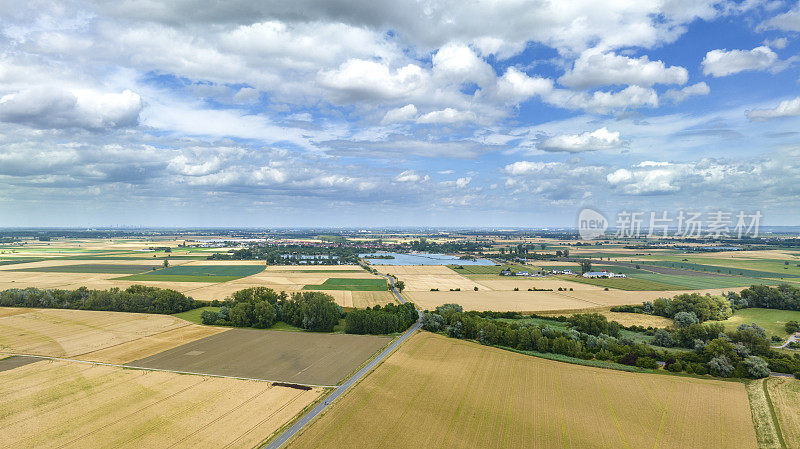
{"x":308,"y":417}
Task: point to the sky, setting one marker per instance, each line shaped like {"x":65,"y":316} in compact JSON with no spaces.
{"x":395,"y":113}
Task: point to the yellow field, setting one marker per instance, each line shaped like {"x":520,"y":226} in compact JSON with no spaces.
{"x":525,"y":301}
{"x":638,"y":319}
{"x":785,"y":395}
{"x":75,"y":405}
{"x":113,"y":337}
{"x":440,"y":392}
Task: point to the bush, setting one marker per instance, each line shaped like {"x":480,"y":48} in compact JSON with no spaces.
{"x":721,"y":366}
{"x":646,"y":362}
{"x":432,"y":322}
{"x":594,"y":324}
{"x":208,"y":317}
{"x":756,"y":367}
{"x":664,"y":339}
{"x":675,"y":367}
{"x":683,"y":319}
{"x":792,"y":327}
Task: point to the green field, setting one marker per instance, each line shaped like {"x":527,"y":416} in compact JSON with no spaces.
{"x":771,"y":320}
{"x":350,"y":284}
{"x":688,"y":282}
{"x":194,"y":314}
{"x":623,"y":283}
{"x":197,"y":273}
{"x":789,"y":272}
{"x":92,"y":268}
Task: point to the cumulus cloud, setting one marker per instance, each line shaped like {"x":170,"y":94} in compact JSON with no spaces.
{"x":404,"y":114}
{"x":719,"y":63}
{"x":516,"y":86}
{"x":604,"y":102}
{"x":447,"y":115}
{"x":411,"y":176}
{"x":600,"y":139}
{"x":530,"y":167}
{"x":82,"y":108}
{"x":680,"y":95}
{"x":786,"y":108}
{"x":359,"y":79}
{"x":646,"y":181}
{"x":788,"y":21}
{"x":594,"y":69}
{"x":245,"y":94}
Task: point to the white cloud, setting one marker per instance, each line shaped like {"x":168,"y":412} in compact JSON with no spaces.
{"x":594,"y":69}
{"x":404,"y":114}
{"x":788,"y":21}
{"x":654,"y":180}
{"x":604,"y":102}
{"x":680,"y":95}
{"x":528,"y":167}
{"x":410,"y":176}
{"x":516,"y":86}
{"x":719,"y":63}
{"x":600,"y":139}
{"x":80,"y":108}
{"x":359,"y":79}
{"x":447,"y":115}
{"x":245,"y":94}
{"x":459,"y":64}
{"x":786,"y":108}
{"x":463,"y":182}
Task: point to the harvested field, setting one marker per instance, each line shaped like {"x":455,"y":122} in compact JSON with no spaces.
{"x":67,"y":404}
{"x":73,"y":333}
{"x":299,"y":357}
{"x":435,"y":391}
{"x":363,"y":300}
{"x":316,"y":268}
{"x":525,"y":301}
{"x":785,"y":396}
{"x":151,"y":344}
{"x":94,"y":268}
{"x":524,"y":283}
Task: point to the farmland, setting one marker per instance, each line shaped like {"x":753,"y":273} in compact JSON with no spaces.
{"x":785,"y":395}
{"x":771,"y":320}
{"x":450,"y":393}
{"x":67,"y":404}
{"x":198,"y":273}
{"x":114,"y":337}
{"x":349,"y":284}
{"x":300,"y":357}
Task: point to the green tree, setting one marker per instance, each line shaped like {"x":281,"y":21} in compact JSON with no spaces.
{"x":264,"y":315}
{"x":586,"y":266}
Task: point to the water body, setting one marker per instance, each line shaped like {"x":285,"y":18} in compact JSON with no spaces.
{"x":421,"y":259}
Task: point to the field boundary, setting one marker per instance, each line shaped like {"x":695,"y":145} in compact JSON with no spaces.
{"x":284,"y":383}
{"x":772,"y":413}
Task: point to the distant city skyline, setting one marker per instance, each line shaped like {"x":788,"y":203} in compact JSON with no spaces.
{"x":333,"y":114}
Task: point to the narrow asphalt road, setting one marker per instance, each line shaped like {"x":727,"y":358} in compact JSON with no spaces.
{"x":338,"y":391}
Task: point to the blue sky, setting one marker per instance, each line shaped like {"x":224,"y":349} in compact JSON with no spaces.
{"x":401,"y":113}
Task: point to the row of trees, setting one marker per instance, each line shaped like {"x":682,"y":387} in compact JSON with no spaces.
{"x":783,"y":297}
{"x":743,"y":353}
{"x":381,"y":320}
{"x":262,"y":307}
{"x":699,"y":307}
{"x":293,"y":254}
{"x":690,"y":308}
{"x":136,"y":298}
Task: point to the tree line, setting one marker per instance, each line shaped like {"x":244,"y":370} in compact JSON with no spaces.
{"x":389,"y":319}
{"x":744,"y":352}
{"x":262,"y":307}
{"x":136,"y":298}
